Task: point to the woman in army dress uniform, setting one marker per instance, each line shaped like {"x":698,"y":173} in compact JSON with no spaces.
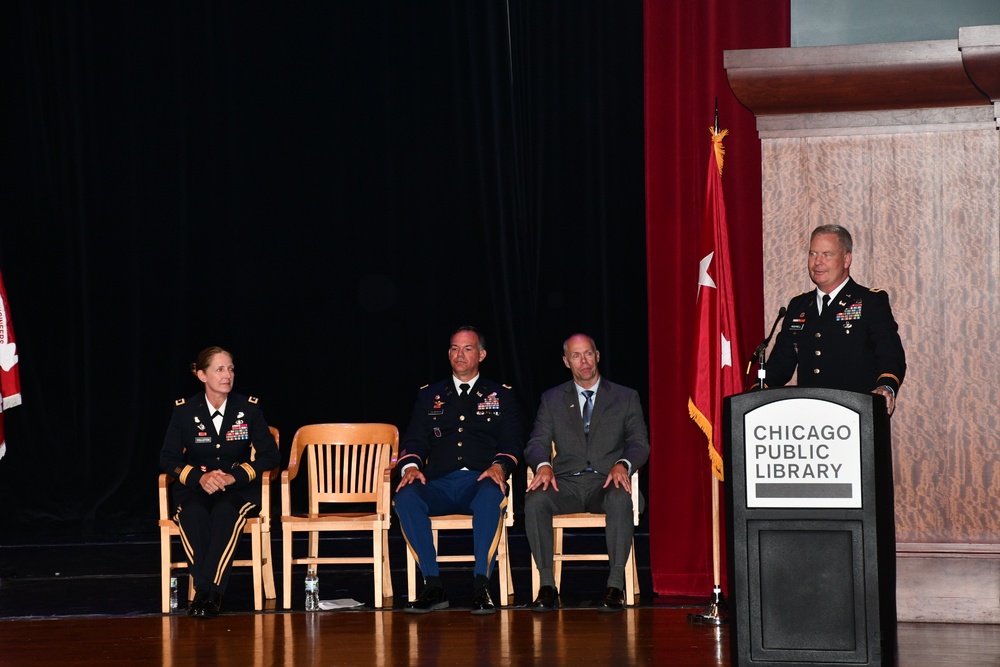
{"x":207,"y":449}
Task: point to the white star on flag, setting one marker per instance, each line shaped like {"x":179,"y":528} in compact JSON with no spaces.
{"x":703,"y":277}
{"x":727,"y":353}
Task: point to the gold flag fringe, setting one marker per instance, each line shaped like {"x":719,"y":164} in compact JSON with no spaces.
{"x":706,"y":427}
{"x":720,"y":150}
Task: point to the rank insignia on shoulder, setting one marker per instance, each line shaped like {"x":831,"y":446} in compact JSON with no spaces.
{"x":425,"y":386}
{"x":876,"y":290}
{"x":253,"y":399}
{"x":507,"y":386}
{"x":179,"y":402}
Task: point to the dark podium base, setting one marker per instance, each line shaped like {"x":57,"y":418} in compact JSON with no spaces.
{"x":812,"y":559}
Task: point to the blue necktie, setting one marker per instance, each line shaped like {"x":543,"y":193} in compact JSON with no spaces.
{"x":588,"y":408}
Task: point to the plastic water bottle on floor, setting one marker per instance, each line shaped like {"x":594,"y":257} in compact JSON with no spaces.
{"x":173,"y":593}
{"x":312,"y":591}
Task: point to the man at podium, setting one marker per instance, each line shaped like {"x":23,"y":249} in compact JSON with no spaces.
{"x":840,"y":335}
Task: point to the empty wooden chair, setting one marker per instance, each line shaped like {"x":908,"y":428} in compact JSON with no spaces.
{"x":346,"y":465}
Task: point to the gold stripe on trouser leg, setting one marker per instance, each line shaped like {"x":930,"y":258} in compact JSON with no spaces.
{"x":409,"y":546}
{"x":496,"y":539}
{"x":188,"y":551}
{"x":234,"y":538}
{"x":416,"y":558}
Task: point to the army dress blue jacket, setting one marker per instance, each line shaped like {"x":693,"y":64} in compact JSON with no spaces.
{"x":854,"y":344}
{"x":447,"y":434}
{"x":192,"y":448}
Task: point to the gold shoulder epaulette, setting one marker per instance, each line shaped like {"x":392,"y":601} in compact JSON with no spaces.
{"x":507,"y":386}
{"x":875,"y":289}
{"x":253,"y":399}
{"x":179,"y":402}
{"x":424,"y":387}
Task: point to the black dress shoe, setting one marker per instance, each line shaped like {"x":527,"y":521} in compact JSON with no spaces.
{"x":614,"y":600}
{"x":431,"y":598}
{"x":547,"y":600}
{"x":213,"y":605}
{"x":481,"y":602}
{"x":197,"y":605}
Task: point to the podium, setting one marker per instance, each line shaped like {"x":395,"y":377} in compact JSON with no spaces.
{"x":810,"y":527}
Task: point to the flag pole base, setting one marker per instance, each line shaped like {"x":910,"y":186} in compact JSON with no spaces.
{"x":717,"y":612}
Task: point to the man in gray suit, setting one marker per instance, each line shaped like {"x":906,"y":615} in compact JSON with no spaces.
{"x":589,"y":435}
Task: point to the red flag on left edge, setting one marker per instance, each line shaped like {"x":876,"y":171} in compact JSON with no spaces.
{"x":10,"y":381}
{"x":715,"y":363}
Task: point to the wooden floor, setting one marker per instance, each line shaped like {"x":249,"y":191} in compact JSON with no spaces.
{"x":84,"y":604}
{"x":641,"y":636}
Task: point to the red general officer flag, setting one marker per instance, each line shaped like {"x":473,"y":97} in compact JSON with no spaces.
{"x":10,"y":381}
{"x":715,"y":364}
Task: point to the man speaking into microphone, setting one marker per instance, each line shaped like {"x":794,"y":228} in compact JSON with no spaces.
{"x":840,"y":335}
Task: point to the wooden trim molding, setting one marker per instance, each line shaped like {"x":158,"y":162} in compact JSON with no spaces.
{"x":948,"y":583}
{"x":902,"y":86}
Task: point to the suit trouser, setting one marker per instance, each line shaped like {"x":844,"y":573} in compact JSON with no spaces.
{"x":580,"y":493}
{"x":458,"y":492}
{"x":211,"y":526}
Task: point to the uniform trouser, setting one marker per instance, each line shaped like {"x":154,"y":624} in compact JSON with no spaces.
{"x":581,"y":493}
{"x":211,"y":526}
{"x":457,"y":492}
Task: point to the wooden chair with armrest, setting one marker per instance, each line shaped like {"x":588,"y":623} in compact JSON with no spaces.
{"x":258,"y":527}
{"x":346,"y":465}
{"x":464,"y":522}
{"x":560,"y":522}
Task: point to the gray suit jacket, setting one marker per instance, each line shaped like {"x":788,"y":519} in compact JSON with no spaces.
{"x":617,"y":430}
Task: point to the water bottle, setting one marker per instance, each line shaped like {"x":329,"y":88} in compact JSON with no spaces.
{"x":312,"y":591}
{"x":173,"y":593}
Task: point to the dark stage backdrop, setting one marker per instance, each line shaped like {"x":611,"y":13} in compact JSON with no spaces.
{"x":327,"y":189}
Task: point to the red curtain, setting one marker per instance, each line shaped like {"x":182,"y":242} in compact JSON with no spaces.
{"x":684,"y":44}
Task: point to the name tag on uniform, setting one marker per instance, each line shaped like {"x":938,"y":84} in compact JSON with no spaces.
{"x":202,"y":441}
{"x":798,"y":323}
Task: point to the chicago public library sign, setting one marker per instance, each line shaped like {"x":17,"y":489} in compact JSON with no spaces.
{"x":803,"y":452}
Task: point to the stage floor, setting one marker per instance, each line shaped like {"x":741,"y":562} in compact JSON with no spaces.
{"x":98,"y":604}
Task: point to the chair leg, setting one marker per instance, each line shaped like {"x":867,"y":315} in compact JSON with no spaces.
{"x":411,"y":574}
{"x":258,"y":602}
{"x":386,"y":569}
{"x":503,"y":564}
{"x":631,"y":577}
{"x":165,"y":570}
{"x":557,"y":553}
{"x":536,"y":578}
{"x":313,"y":548}
{"x":635,"y":573}
{"x":267,"y":566}
{"x":286,"y":567}
{"x":377,"y":560}
{"x":510,"y":579}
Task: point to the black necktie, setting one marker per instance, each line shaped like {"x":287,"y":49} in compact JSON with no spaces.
{"x":216,"y":414}
{"x":588,"y":409}
{"x":826,"y":302}
{"x":465,"y":390}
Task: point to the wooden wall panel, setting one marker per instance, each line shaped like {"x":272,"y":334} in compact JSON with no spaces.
{"x":914,"y":172}
{"x":924,"y":210}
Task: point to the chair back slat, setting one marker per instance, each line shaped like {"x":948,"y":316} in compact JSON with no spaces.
{"x":345,"y":462}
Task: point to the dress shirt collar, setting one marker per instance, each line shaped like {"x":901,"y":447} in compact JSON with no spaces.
{"x":471,"y":383}
{"x":833,"y":293}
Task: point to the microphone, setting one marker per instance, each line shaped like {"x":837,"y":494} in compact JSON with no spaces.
{"x":762,"y":348}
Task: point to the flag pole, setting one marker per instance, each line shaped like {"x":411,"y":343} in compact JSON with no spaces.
{"x":717,"y":612}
